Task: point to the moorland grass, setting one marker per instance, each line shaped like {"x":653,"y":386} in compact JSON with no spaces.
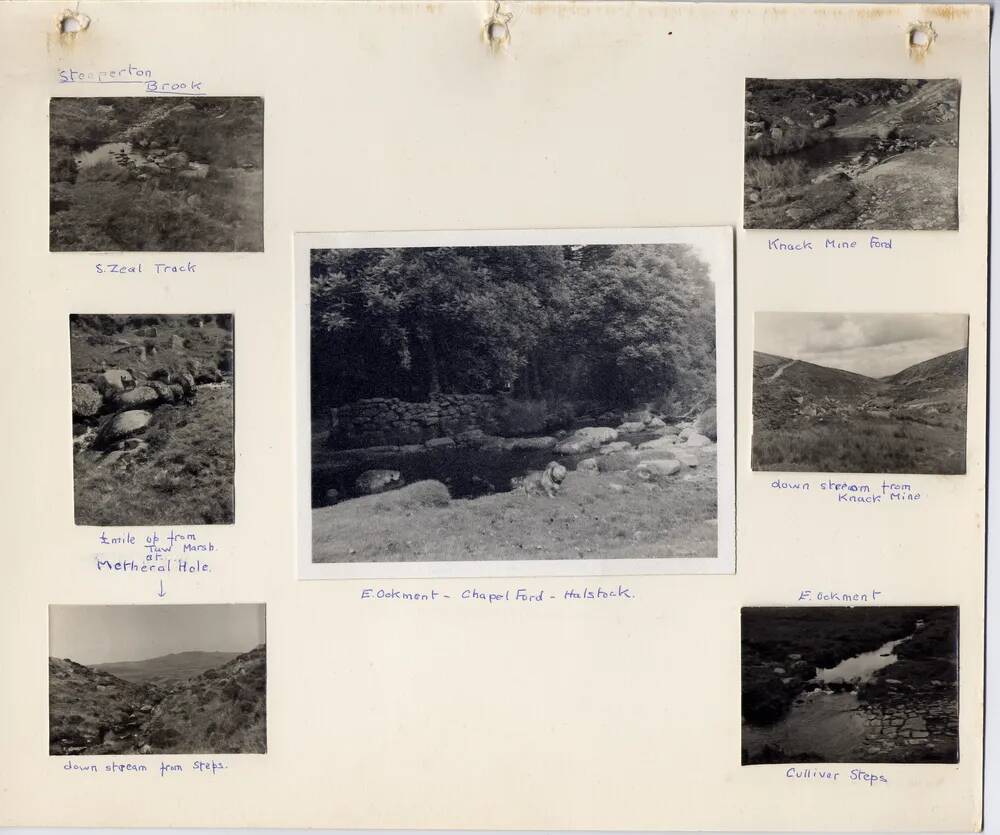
{"x":862,"y":445}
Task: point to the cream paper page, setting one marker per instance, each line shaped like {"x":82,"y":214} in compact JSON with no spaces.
{"x":569,"y":713}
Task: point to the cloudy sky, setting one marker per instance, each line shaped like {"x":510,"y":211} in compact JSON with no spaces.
{"x":101,"y":634}
{"x":873,"y":344}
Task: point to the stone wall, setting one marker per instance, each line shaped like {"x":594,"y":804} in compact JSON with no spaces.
{"x":382,"y":421}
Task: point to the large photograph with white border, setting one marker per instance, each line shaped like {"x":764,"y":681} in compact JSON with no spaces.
{"x":517,"y":403}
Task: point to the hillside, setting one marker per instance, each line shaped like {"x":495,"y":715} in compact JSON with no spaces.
{"x":176,"y":665}
{"x":219,"y":710}
{"x":810,"y":417}
{"x":152,"y":399}
{"x":943,"y":379}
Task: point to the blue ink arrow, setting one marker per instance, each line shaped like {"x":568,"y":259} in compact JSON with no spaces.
{"x":161,"y":592}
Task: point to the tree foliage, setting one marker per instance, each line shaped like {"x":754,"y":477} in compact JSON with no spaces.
{"x":613,"y":325}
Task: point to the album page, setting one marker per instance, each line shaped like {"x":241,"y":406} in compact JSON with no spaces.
{"x":476,"y":415}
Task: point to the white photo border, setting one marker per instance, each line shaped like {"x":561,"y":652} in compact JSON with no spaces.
{"x":715,"y":245}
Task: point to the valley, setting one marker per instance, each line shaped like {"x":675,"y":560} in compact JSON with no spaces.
{"x":183,"y":703}
{"x":812,"y":418}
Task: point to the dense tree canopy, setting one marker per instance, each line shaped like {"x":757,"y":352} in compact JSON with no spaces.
{"x":615,"y":325}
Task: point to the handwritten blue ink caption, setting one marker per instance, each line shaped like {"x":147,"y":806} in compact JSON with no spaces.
{"x":197,"y":767}
{"x":163,"y":552}
{"x":140,"y":268}
{"x":132,"y":74}
{"x":518,"y":595}
{"x":856,"y":493}
{"x":807,"y":245}
{"x":810,"y":596}
{"x":856,"y":775}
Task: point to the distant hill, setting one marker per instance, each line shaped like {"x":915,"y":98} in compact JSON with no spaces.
{"x":218,"y":710}
{"x":942,"y":378}
{"x":176,"y":665}
{"x":819,"y":378}
{"x":810,"y":418}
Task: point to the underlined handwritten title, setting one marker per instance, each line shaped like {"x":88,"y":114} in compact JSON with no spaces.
{"x":132,"y":74}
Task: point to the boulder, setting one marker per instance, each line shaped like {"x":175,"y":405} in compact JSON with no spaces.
{"x":658,"y":471}
{"x":687,"y":459}
{"x":113,"y":380}
{"x":208,"y":374}
{"x":439,"y":443}
{"x":163,"y":391}
{"x":420,"y":494}
{"x":618,"y":461}
{"x":175,"y":161}
{"x":667,"y":442}
{"x":178,"y":391}
{"x":683,"y":433}
{"x":696,"y":440}
{"x":642,"y":416}
{"x":378,"y":481}
{"x":670,"y":454}
{"x":178,"y":343}
{"x":87,"y":401}
{"x":631,"y":427}
{"x":543,"y":442}
{"x":586,"y":439}
{"x":141,"y":397}
{"x":656,"y":423}
{"x":121,"y":426}
{"x":615,"y":446}
{"x":587,"y":465}
{"x":705,"y":424}
{"x":187,"y":383}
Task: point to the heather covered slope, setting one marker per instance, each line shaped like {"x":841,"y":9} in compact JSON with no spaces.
{"x":808,"y":417}
{"x":219,"y":710}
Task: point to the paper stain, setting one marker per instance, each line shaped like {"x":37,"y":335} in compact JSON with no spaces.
{"x":952,"y":12}
{"x":919,"y":38}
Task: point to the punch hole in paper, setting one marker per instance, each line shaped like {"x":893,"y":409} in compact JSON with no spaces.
{"x":496,"y":30}
{"x":71,"y":23}
{"x":920,"y":37}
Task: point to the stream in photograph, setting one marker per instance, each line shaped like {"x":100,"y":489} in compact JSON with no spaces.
{"x":467,"y":472}
{"x":821,"y":721}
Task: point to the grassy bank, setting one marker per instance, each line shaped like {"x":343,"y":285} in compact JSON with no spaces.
{"x":606,"y":516}
{"x":862,"y":445}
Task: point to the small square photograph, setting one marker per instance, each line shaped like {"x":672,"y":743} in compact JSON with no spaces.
{"x":520,"y":402}
{"x":156,"y":174}
{"x":157,"y":679}
{"x":152,"y":400}
{"x":860,"y":393}
{"x":850,"y":684}
{"x":851,"y":153}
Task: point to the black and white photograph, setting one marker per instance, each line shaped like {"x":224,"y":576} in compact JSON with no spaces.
{"x":862,"y":684}
{"x":153,"y":410}
{"x":860,"y":392}
{"x":156,"y":174}
{"x":157,"y":679}
{"x":851,"y":153}
{"x":517,"y":402}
